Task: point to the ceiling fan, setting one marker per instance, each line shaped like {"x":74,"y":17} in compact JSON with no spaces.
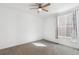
{"x":41,"y":6}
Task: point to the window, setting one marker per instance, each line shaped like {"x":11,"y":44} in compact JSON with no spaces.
{"x":66,"y":25}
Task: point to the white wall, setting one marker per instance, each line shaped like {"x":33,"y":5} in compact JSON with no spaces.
{"x":50,"y":32}
{"x":50,"y":27}
{"x":18,"y":27}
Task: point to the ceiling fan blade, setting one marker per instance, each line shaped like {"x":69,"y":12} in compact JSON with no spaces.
{"x":33,"y":5}
{"x":44,"y":9}
{"x":37,"y":3}
{"x":33,"y":8}
{"x":46,"y":5}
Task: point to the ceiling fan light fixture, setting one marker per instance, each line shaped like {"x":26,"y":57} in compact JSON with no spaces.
{"x":39,"y":9}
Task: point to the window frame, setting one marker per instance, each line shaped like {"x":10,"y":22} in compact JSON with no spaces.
{"x":74,"y":23}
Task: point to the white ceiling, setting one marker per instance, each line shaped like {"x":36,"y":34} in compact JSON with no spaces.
{"x":61,"y":7}
{"x":54,"y":8}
